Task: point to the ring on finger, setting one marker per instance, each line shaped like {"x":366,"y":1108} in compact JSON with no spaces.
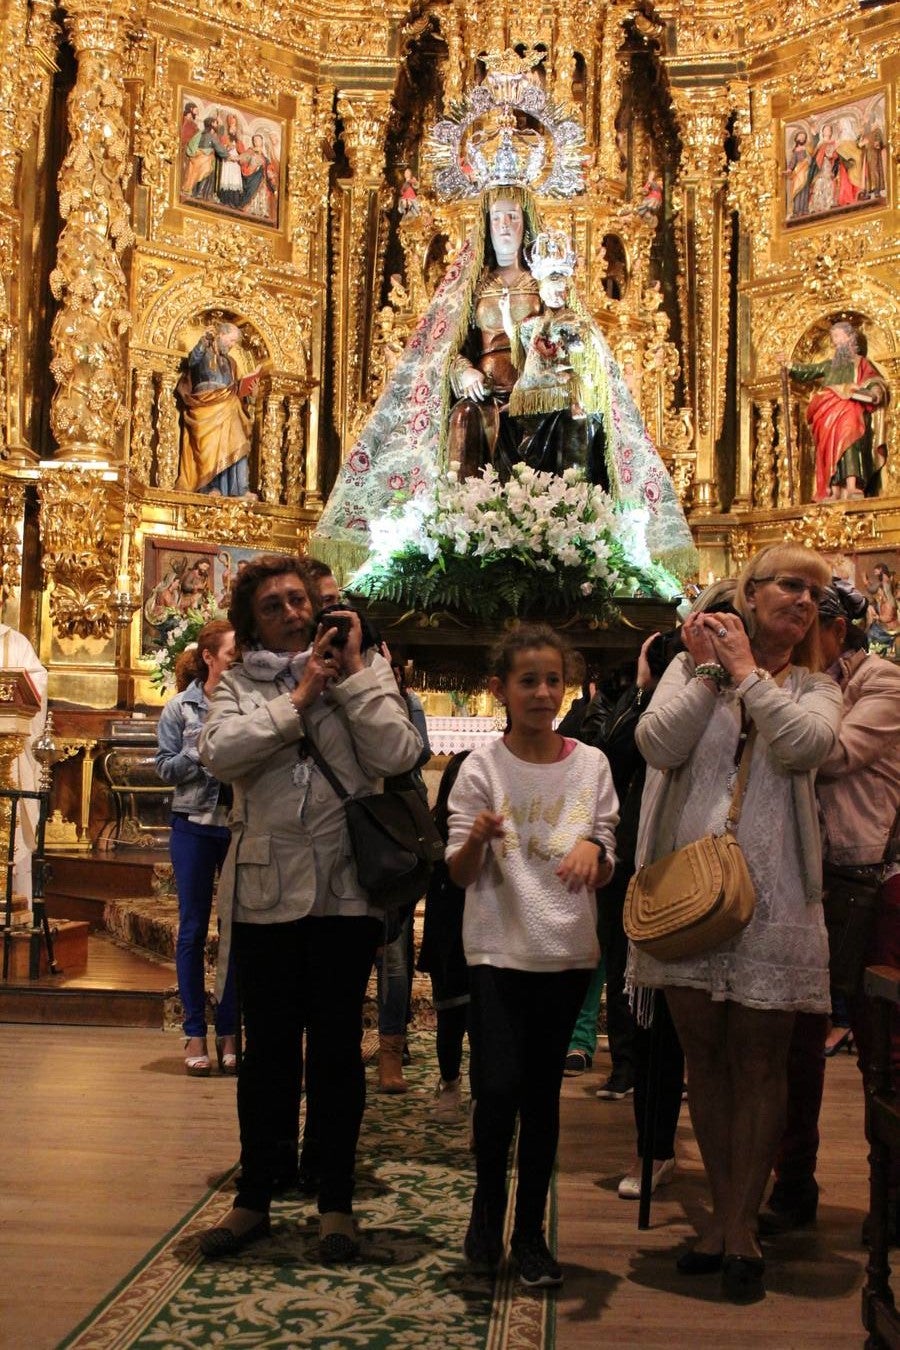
{"x":721,"y":632}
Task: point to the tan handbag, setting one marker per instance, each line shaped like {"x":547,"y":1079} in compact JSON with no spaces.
{"x":698,"y":897}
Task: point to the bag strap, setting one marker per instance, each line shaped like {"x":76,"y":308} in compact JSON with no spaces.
{"x":737,"y":800}
{"x":309,"y":746}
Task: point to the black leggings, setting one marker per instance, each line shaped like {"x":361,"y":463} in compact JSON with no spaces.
{"x":309,"y":975}
{"x":519,"y":1030}
{"x":451,"y":1028}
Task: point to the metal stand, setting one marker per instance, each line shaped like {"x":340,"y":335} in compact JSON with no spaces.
{"x":653,"y":1075}
{"x":40,"y":925}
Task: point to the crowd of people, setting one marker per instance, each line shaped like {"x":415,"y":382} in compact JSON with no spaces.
{"x":764,"y":696}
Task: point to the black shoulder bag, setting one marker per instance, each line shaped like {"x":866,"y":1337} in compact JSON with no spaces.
{"x":394,"y":839}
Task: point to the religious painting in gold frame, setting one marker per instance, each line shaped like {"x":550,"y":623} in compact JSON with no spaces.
{"x":876,"y":574}
{"x":180,"y":577}
{"x":231,"y":158}
{"x":835,"y":160}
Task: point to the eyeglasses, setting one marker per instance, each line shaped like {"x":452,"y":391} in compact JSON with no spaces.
{"x":794,"y":586}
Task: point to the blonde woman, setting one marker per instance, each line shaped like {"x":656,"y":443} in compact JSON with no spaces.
{"x":747,"y":683}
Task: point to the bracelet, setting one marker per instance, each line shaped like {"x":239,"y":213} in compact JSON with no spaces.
{"x":598,"y":843}
{"x":711,"y":670}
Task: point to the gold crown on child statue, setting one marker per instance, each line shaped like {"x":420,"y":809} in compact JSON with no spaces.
{"x":508,"y":132}
{"x":550,"y":255}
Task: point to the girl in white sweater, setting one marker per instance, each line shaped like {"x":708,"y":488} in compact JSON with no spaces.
{"x":532,"y":821}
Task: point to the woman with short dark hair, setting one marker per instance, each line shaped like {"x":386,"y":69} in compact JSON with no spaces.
{"x":292,"y":907}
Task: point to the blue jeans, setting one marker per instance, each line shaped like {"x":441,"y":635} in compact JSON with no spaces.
{"x":393,"y":982}
{"x":198,"y":852}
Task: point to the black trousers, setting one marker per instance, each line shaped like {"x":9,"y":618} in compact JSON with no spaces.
{"x":307,"y":976}
{"x":519,"y":1029}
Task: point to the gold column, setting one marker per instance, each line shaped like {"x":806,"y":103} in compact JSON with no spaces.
{"x":763,"y":461}
{"x":365,"y":115}
{"x":293,"y":455}
{"x":563,"y":54}
{"x":29,"y":34}
{"x":703,"y":283}
{"x":168,"y":426}
{"x":140,"y":457}
{"x":271,"y":441}
{"x":88,"y":408}
{"x":610,"y":91}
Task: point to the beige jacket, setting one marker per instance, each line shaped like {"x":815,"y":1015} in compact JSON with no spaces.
{"x":290,"y":851}
{"x":796,"y":725}
{"x":859,"y":783}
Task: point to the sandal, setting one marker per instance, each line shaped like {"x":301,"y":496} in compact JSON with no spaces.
{"x":197,"y":1066}
{"x":227,"y":1058}
{"x":338,"y":1238}
{"x":217,"y":1243}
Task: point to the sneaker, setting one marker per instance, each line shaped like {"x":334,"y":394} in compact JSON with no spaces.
{"x":630,"y":1185}
{"x":483,"y":1243}
{"x":447,"y":1104}
{"x":577,"y":1062}
{"x":617,"y":1086}
{"x":538,"y":1268}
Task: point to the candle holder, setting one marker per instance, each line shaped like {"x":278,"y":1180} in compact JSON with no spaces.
{"x":46,"y":753}
{"x":124,"y":607}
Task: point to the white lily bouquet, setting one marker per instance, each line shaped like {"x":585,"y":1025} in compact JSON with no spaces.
{"x":179,"y":637}
{"x":539,"y":544}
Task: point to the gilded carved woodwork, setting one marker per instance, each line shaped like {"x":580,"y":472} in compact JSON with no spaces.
{"x":703,"y":241}
{"x":831,"y":530}
{"x":88,"y":281}
{"x":723,"y":73}
{"x":611,"y":78}
{"x":12,"y":509}
{"x":359,"y":204}
{"x":764,"y":467}
{"x":80,"y":550}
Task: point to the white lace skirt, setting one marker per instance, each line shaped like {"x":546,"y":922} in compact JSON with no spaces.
{"x":780,"y":960}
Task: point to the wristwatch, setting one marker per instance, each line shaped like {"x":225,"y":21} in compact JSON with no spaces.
{"x":752,"y":679}
{"x":602,"y":847}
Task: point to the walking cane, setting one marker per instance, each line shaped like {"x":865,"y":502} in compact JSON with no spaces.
{"x":651,"y":1106}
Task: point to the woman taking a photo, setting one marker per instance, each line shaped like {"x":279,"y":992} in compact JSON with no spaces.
{"x":290,"y":900}
{"x":747,"y":684}
{"x":198,"y":841}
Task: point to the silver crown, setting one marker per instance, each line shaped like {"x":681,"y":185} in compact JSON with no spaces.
{"x":551,"y":254}
{"x":507,"y":132}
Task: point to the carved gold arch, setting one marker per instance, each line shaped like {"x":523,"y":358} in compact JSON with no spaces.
{"x":177,"y":305}
{"x":782,"y":321}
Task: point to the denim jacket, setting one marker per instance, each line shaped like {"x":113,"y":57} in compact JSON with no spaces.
{"x":177,"y":760}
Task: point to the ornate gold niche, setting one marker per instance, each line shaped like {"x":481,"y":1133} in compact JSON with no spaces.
{"x":696,"y":302}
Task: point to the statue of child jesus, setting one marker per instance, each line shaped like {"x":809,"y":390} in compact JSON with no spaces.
{"x":559,"y":397}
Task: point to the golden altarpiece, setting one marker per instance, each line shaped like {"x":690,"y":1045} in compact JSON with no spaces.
{"x":318,"y":236}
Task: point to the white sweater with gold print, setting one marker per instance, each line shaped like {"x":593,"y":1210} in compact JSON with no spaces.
{"x":518,"y":913}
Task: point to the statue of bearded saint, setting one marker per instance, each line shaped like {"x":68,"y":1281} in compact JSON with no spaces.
{"x":482,"y":374}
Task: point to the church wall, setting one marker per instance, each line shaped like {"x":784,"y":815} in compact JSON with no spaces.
{"x":325,"y":275}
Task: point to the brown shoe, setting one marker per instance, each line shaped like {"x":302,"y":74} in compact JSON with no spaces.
{"x":390,"y":1064}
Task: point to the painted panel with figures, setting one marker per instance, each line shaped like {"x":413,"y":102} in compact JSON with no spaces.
{"x":230,"y":159}
{"x":836,"y":160}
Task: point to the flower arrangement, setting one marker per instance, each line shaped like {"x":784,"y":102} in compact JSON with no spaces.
{"x":538,"y":544}
{"x":179,"y":638}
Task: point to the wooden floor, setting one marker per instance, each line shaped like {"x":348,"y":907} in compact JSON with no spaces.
{"x":107,"y":1144}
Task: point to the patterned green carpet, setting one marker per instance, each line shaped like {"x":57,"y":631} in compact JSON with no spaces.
{"x":411,"y":1288}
